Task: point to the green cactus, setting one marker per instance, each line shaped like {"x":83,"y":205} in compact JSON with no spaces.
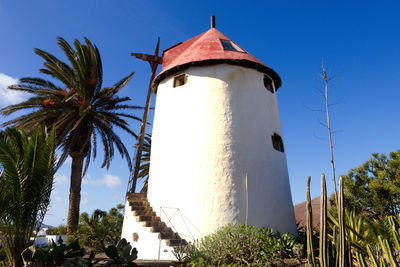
{"x":310,"y":247}
{"x":122,"y":254}
{"x":57,"y":253}
{"x":348,"y":243}
{"x":323,"y":240}
{"x":394,"y":222}
{"x":342,"y":231}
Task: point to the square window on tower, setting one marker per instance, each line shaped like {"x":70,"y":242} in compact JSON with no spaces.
{"x":180,"y":79}
{"x":277,"y":142}
{"x":229,"y":45}
{"x":268,"y":83}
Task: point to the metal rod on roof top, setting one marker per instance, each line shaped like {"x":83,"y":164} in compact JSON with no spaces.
{"x":212,"y":21}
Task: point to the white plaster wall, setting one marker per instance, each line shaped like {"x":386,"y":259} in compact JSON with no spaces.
{"x":206,"y":135}
{"x":148,"y":244}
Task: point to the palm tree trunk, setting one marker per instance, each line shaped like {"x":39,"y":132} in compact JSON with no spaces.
{"x":75,"y":192}
{"x":17,"y":260}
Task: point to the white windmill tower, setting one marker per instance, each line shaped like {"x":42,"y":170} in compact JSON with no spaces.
{"x":217,"y":153}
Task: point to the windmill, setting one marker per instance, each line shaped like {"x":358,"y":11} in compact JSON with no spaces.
{"x":219,"y":103}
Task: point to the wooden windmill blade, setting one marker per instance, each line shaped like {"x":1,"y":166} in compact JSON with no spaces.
{"x":154,"y":60}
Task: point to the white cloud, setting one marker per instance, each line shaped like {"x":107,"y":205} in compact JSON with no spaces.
{"x":108,"y":180}
{"x":60,"y":179}
{"x":89,"y":180}
{"x":9,"y":97}
{"x":61,"y":199}
{"x":58,"y":198}
{"x":84,"y":199}
{"x":111,"y":180}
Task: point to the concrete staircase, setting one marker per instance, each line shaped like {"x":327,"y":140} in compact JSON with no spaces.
{"x":144,"y":213}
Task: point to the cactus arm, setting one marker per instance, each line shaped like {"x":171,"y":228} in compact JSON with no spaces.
{"x":310,"y":248}
{"x":323,"y":232}
{"x":395,"y":231}
{"x":342,"y":233}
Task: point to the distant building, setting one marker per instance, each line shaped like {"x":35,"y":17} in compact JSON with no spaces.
{"x":44,"y":240}
{"x":300,"y":211}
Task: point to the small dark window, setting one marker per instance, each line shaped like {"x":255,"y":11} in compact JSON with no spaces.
{"x":180,"y":79}
{"x":229,"y":45}
{"x":277,"y":142}
{"x":268,"y":83}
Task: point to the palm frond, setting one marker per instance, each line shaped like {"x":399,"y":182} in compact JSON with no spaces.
{"x":119,"y":85}
{"x":38,"y":81}
{"x":56,"y":68}
{"x":82,"y":112}
{"x":27,"y":165}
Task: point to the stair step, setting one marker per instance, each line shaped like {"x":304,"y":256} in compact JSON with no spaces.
{"x":153,"y":223}
{"x":145,"y":218}
{"x":130,"y":196}
{"x":139,"y":204}
{"x":137,"y":200}
{"x":159,"y":229}
{"x":168,"y":235}
{"x":176,"y":242}
{"x":144,"y":213}
{"x":141,"y":208}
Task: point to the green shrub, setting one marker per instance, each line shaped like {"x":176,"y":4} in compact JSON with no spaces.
{"x":59,"y":230}
{"x":100,"y":229}
{"x":238,"y":244}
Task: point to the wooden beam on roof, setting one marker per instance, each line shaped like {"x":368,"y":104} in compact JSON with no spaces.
{"x":154,"y":60}
{"x":149,"y":58}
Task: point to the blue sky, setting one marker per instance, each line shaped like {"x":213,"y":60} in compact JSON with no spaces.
{"x":359,"y":42}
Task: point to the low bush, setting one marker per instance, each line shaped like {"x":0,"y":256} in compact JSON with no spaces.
{"x":238,"y":244}
{"x":3,"y":257}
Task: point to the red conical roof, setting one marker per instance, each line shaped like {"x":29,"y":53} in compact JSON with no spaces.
{"x":206,"y":49}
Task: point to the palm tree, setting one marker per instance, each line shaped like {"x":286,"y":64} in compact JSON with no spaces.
{"x":27,"y":168}
{"x":80,"y":109}
{"x":145,"y":163}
